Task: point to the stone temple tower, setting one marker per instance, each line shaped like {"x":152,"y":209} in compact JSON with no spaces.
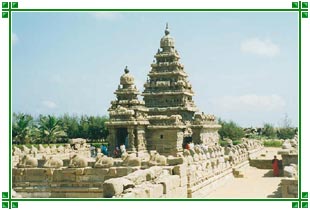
{"x":128,"y":117}
{"x":167,"y":118}
{"x":173,"y":116}
{"x":167,"y":91}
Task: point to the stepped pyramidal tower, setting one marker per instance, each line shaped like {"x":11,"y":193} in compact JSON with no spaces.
{"x":128,"y":117}
{"x":167,"y":91}
{"x":167,"y":118}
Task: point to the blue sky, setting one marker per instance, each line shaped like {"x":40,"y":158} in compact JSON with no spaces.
{"x":242,"y":66}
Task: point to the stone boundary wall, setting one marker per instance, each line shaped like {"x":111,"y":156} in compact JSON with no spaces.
{"x":155,"y":182}
{"x":289,"y":188}
{"x":261,"y":163}
{"x":289,"y":159}
{"x":193,"y":174}
{"x":64,"y":182}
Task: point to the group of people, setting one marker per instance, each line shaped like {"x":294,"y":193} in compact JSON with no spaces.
{"x":118,"y":151}
{"x":103,"y":148}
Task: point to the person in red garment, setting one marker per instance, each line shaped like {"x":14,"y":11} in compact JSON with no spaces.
{"x":275,"y":166}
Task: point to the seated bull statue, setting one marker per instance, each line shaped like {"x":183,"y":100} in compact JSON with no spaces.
{"x":60,"y":149}
{"x":157,"y":159}
{"x":17,"y":151}
{"x":41,"y":148}
{"x":77,"y":161}
{"x":25,"y":149}
{"x":48,"y":150}
{"x":52,"y":162}
{"x":67,"y":148}
{"x":198,"y":149}
{"x":33,"y":151}
{"x":103,"y":161}
{"x":53,"y":149}
{"x":212,"y":153}
{"x":27,"y":162}
{"x":131,"y":159}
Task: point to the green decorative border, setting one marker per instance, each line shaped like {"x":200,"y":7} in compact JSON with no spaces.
{"x":9,"y":7}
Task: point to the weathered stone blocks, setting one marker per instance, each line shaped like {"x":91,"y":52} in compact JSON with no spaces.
{"x":113,"y":187}
{"x":169,"y":182}
{"x":172,"y":161}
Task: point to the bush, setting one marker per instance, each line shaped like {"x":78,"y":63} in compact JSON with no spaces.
{"x":273,"y":143}
{"x":223,"y":143}
{"x":286,"y":133}
{"x":237,"y":142}
{"x":230,"y":130}
{"x":269,"y":131}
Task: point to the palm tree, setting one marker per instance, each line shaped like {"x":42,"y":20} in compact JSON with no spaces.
{"x":50,"y":129}
{"x":21,"y":128}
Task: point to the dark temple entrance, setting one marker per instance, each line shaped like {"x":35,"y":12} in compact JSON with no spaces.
{"x":121,"y":137}
{"x":187,"y":140}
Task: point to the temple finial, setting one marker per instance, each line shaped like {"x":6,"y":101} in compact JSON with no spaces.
{"x":126,"y":70}
{"x":167,"y":29}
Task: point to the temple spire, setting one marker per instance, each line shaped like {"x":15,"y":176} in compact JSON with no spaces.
{"x":167,"y":29}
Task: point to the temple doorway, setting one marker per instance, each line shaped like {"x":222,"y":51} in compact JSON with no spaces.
{"x":187,"y":140}
{"x":121,"y":137}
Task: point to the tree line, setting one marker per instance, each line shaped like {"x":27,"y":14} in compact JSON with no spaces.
{"x":231,"y":130}
{"x":46,"y":129}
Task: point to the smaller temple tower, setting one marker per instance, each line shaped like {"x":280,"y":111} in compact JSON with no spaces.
{"x":128,"y":117}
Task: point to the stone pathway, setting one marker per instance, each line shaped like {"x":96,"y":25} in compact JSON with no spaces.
{"x":257,"y":183}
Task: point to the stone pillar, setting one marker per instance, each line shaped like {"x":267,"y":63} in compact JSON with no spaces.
{"x":197,"y":137}
{"x":112,"y":139}
{"x":131,"y":140}
{"x":180,"y":139}
{"x":141,"y":143}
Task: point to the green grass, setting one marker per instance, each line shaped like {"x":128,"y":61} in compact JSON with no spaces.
{"x":273,"y":143}
{"x":98,"y":145}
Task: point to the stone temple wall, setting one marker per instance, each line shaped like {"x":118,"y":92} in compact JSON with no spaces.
{"x":191,"y":174}
{"x":289,"y":155}
{"x":164,"y":140}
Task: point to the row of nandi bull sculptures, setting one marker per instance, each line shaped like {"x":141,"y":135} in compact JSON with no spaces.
{"x":74,"y":144}
{"x":26,"y":157}
{"x":231,"y":155}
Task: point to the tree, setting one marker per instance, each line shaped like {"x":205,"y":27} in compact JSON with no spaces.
{"x":71,"y":126}
{"x":84,"y":127}
{"x":21,"y":128}
{"x":269,"y":131}
{"x":286,"y":131}
{"x":50,"y":129}
{"x":97,"y":129}
{"x":230,"y":130}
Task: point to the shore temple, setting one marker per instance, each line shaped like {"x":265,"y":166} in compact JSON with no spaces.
{"x":167,"y":118}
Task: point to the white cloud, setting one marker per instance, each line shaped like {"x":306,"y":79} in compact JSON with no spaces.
{"x":106,"y":15}
{"x":49,"y":104}
{"x":260,"y":47}
{"x":250,"y":102}
{"x":15,"y":38}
